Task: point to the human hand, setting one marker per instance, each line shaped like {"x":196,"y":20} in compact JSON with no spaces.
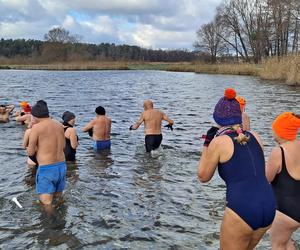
{"x":169,"y":126}
{"x":210,"y":134}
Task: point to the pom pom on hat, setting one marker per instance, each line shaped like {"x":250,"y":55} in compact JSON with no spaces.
{"x":229,"y":93}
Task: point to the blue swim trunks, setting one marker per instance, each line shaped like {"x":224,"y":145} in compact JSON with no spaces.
{"x":99,"y":145}
{"x":51,"y":178}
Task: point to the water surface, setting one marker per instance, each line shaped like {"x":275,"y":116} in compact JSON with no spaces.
{"x":124,"y":198}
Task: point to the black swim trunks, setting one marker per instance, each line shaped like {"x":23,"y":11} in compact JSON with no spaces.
{"x":152,"y":142}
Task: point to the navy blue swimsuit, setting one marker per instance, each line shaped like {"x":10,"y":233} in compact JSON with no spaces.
{"x":248,"y":194}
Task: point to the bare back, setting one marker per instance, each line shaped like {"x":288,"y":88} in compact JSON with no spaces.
{"x":48,"y":140}
{"x":101,"y":128}
{"x":152,"y":121}
{"x":292,"y":158}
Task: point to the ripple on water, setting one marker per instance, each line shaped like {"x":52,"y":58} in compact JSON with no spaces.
{"x":126,"y":198}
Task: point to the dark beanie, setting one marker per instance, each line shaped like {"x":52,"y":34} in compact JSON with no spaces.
{"x":100,"y":110}
{"x":68,"y":116}
{"x":40,"y":109}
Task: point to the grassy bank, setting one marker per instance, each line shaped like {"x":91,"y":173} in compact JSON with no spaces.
{"x":92,"y":65}
{"x":285,"y":69}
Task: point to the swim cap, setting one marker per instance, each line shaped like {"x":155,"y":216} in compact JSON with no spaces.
{"x":286,"y":126}
{"x":100,"y":110}
{"x":241,"y":101}
{"x":40,"y":109}
{"x":227,"y":111}
{"x":24,"y":104}
{"x":27,"y":108}
{"x":68,"y":116}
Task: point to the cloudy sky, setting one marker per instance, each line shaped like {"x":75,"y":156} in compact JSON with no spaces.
{"x":165,"y":24}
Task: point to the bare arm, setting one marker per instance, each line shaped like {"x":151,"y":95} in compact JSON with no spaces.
{"x":88,"y":126}
{"x":32,"y":144}
{"x":26,"y":138}
{"x":10,"y":108}
{"x":22,"y":118}
{"x":209,"y":161}
{"x":273,"y":164}
{"x":166,"y":118}
{"x":138,"y":122}
{"x":73,"y":138}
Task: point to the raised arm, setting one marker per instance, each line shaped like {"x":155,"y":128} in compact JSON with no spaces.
{"x":273,"y":166}
{"x":10,"y":108}
{"x":138,"y":122}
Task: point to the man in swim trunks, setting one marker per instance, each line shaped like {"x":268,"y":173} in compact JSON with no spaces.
{"x":152,"y":119}
{"x":99,"y":129}
{"x":47,"y":141}
{"x":5,"y":111}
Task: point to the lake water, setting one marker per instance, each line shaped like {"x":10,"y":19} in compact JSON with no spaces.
{"x":126,"y":199}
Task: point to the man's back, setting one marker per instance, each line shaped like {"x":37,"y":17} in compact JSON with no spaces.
{"x":101,"y":128}
{"x":152,"y":120}
{"x":50,"y":141}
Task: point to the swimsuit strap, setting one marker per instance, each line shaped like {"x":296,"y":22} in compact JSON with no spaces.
{"x":283,"y":164}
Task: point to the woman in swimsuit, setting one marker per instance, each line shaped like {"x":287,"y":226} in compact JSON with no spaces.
{"x":70,"y":135}
{"x":238,"y":154}
{"x":283,"y":171}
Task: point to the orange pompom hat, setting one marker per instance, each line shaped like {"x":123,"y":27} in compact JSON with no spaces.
{"x":286,"y":126}
{"x":227,"y":110}
{"x":24,"y":104}
{"x":241,"y":101}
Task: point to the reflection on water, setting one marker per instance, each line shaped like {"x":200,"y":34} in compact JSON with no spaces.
{"x":125,"y":198}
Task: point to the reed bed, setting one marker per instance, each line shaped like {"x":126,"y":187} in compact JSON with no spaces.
{"x":286,"y":69}
{"x":93,"y":65}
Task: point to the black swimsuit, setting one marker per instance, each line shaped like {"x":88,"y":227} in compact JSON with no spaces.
{"x":69,"y":151}
{"x":287,"y":192}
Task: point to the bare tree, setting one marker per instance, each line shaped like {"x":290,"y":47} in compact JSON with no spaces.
{"x":61,"y":35}
{"x":209,"y":39}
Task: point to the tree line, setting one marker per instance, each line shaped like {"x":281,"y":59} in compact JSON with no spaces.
{"x":251,"y":30}
{"x":62,"y":46}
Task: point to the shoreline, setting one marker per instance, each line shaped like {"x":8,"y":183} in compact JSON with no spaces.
{"x":283,"y":69}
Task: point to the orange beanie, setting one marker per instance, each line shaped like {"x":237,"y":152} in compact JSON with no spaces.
{"x":241,"y":101}
{"x":23,"y":104}
{"x":286,"y":126}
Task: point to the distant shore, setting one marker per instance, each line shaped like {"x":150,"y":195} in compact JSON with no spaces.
{"x":286,"y":69}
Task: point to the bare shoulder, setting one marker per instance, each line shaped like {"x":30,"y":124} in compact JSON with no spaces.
{"x":257,"y":137}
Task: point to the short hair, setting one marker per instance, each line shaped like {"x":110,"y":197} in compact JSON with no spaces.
{"x":100,"y":110}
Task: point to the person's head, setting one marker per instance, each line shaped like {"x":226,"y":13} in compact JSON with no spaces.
{"x":40,"y":109}
{"x":68,"y":118}
{"x":242,"y":102}
{"x":285,"y":127}
{"x":148,"y":104}
{"x":23,"y":104}
{"x":2,"y":109}
{"x":27,"y":108}
{"x":100,"y":110}
{"x":227,"y":111}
